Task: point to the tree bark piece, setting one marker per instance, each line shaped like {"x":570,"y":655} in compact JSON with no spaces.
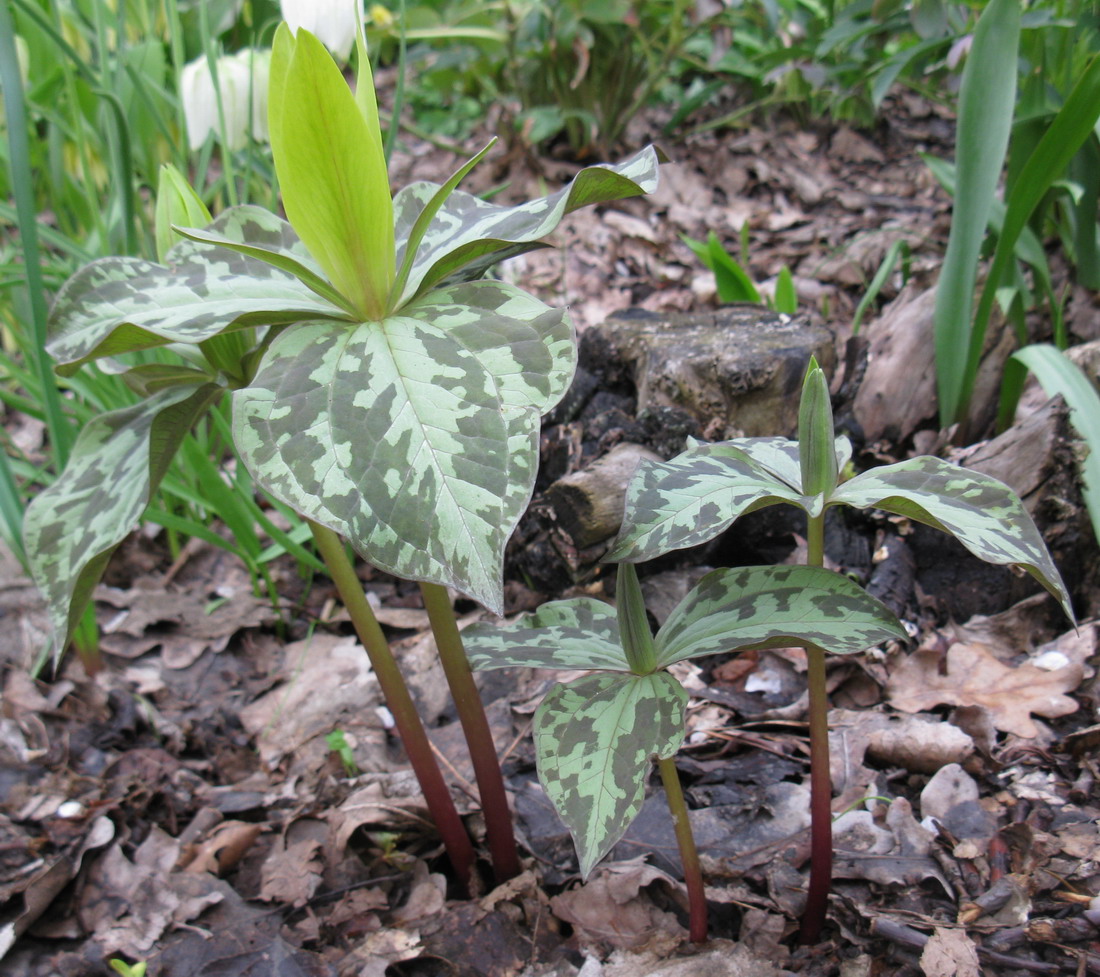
{"x":738,"y":370}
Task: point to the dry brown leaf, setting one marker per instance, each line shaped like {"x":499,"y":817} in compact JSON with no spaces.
{"x":950,"y":953}
{"x":292,"y":873}
{"x":971,"y":676}
{"x":224,"y":847}
{"x":612,"y":907}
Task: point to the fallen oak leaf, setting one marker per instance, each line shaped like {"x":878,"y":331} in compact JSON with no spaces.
{"x":970,"y":676}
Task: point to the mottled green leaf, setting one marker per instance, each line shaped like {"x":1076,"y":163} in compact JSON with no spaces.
{"x":116,"y":305}
{"x":72,"y":527}
{"x":301,"y":266}
{"x":698,"y":494}
{"x":983,"y":514}
{"x":692,"y":498}
{"x":594,"y":740}
{"x":414,"y":234}
{"x":415,"y":437}
{"x":760,"y":607}
{"x":577,"y":633}
{"x":468,"y":234}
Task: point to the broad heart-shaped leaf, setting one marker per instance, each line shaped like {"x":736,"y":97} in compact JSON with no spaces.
{"x":689,"y":500}
{"x":594,"y":740}
{"x":983,"y":514}
{"x":115,"y":305}
{"x":71,"y":528}
{"x":414,"y":437}
{"x":468,"y":235}
{"x":576,"y":633}
{"x":761,"y":607}
{"x":692,"y":498}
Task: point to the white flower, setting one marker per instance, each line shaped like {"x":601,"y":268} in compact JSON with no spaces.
{"x":332,"y":22}
{"x":241,"y":77}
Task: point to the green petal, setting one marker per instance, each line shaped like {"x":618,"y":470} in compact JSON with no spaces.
{"x":331,"y":170}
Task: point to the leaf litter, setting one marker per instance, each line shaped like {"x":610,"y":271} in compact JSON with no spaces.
{"x":184,"y":806}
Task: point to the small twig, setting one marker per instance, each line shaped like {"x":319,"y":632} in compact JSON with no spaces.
{"x":907,"y":936}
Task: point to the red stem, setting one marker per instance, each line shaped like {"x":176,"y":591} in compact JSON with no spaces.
{"x":411,"y":730}
{"x":475,"y":726}
{"x":821,"y":797}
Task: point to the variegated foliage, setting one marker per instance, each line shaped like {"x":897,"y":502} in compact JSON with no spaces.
{"x":595,"y":738}
{"x":72,"y":527}
{"x":413,"y":432}
{"x":699,"y":493}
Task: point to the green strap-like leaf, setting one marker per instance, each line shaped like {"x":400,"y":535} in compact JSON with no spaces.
{"x":416,"y":437}
{"x":983,"y":514}
{"x":577,"y":633}
{"x":71,"y":528}
{"x":469,"y":234}
{"x":691,"y":499}
{"x":760,"y":607}
{"x":594,"y":741}
{"x":116,"y":305}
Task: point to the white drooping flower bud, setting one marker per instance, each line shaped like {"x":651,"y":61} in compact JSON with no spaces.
{"x":332,"y":22}
{"x":242,"y":81}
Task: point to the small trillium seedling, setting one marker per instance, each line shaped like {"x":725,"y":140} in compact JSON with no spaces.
{"x":698,"y":494}
{"x":380,"y":387}
{"x":596,"y":737}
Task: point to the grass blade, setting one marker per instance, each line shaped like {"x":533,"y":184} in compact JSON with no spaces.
{"x":1058,"y":374}
{"x":1071,"y":127}
{"x":61,"y":434}
{"x":986,"y":104}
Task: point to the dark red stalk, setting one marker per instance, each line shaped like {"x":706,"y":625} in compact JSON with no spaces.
{"x":821,"y":785}
{"x":399,"y":702}
{"x":475,"y":726}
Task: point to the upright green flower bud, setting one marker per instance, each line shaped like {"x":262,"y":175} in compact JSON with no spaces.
{"x":179,"y":204}
{"x":634,"y":631}
{"x":816,"y":437}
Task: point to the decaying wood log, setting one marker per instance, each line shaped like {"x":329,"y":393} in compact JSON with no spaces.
{"x":588,"y":505}
{"x":738,"y":370}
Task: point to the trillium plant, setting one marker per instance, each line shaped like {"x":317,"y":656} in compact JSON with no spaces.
{"x":380,"y":386}
{"x":697,"y":495}
{"x":595,"y":738}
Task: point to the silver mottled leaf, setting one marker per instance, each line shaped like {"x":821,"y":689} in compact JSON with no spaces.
{"x":594,"y":741}
{"x":415,"y":437}
{"x":116,"y":305}
{"x":73,"y":526}
{"x":468,"y":234}
{"x":694,"y":497}
{"x":771,"y":606}
{"x":983,"y":514}
{"x":577,"y":633}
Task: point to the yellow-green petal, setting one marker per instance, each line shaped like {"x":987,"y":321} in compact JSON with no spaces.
{"x":331,"y":170}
